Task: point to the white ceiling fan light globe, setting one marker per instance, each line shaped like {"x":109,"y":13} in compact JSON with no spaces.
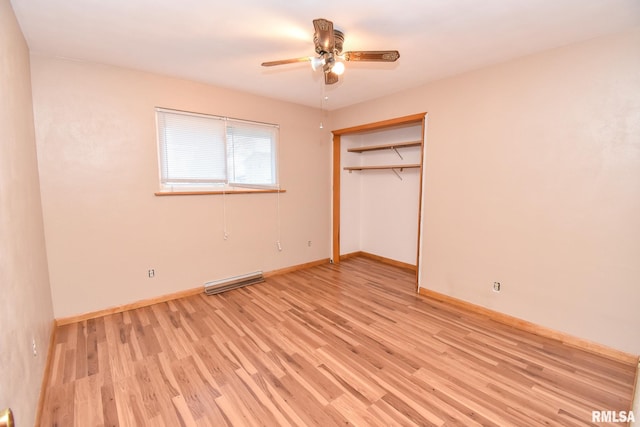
{"x":338,"y":68}
{"x":317,"y":62}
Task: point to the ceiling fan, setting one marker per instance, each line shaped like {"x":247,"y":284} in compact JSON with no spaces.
{"x":328,"y":42}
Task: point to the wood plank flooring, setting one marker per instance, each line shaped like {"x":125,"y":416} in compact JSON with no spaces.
{"x":348,"y":344}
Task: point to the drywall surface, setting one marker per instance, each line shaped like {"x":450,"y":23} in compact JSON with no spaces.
{"x":26,"y":312}
{"x":105,"y":228}
{"x":379,"y":209}
{"x":532,"y":179}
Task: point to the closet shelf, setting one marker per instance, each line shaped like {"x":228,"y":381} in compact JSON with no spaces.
{"x":385,"y":146}
{"x":361,"y":168}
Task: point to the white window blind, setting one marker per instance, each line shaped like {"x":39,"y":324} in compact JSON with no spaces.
{"x":201,"y":151}
{"x":251,"y":156}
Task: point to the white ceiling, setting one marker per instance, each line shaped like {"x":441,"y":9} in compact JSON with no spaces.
{"x":224,"y":43}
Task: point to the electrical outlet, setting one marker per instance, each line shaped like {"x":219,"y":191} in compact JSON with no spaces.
{"x":496,"y":286}
{"x":152,"y":273}
{"x":34,"y":347}
{"x":309,"y":243}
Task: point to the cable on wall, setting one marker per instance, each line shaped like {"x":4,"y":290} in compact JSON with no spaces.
{"x":278,"y":222}
{"x":225,"y":234}
{"x":224,"y":215}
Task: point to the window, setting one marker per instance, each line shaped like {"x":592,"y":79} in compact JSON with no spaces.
{"x":201,"y":152}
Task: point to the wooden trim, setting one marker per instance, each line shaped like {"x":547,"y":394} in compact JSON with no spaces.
{"x":205,"y":193}
{"x":533,"y":328}
{"x":381,"y":259}
{"x":351,"y":255}
{"x":168,"y":297}
{"x":127,"y":307}
{"x":335,"y":232}
{"x":420,"y":199}
{"x":398,"y":121}
{"x":47,"y":373}
{"x":384,"y":146}
{"x":363,"y":168}
{"x":635,"y":386}
{"x":296,"y":267}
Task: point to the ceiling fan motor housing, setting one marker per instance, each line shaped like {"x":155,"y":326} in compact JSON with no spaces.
{"x":339,"y":41}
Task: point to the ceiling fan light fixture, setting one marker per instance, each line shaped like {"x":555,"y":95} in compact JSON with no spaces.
{"x":338,"y":68}
{"x":317,"y":62}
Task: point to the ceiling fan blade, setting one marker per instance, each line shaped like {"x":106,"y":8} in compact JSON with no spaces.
{"x":286,"y":61}
{"x":324,"y":36}
{"x":372,"y":55}
{"x":330,"y":78}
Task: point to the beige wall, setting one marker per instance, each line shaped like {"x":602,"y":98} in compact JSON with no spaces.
{"x":96,"y":136}
{"x":26,"y":312}
{"x":532,"y":179}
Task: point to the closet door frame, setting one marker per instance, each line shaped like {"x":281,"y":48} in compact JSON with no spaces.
{"x":412,"y":119}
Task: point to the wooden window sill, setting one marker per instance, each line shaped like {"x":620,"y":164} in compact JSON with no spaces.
{"x":213,"y":192}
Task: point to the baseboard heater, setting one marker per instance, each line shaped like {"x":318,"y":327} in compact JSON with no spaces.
{"x":222,"y":285}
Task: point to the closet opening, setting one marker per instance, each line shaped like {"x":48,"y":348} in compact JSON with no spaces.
{"x":377,"y":191}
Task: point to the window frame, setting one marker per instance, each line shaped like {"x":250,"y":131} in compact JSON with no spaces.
{"x":213,"y":186}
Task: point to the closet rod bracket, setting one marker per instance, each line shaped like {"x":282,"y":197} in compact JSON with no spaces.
{"x":397,"y":174}
{"x":397,"y":152}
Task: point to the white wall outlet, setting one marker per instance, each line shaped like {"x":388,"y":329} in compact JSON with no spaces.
{"x":34,"y":347}
{"x":309,"y":243}
{"x":496,"y":286}
{"x":152,"y":273}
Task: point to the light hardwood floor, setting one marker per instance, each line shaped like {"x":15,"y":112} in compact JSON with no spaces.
{"x":330,"y":345}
